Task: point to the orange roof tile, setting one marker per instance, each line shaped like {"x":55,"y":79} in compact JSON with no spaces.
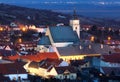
{"x":40,"y":56}
{"x":35,"y":57}
{"x":15,"y":57}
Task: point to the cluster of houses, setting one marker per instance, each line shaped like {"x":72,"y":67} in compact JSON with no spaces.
{"x":59,"y":53}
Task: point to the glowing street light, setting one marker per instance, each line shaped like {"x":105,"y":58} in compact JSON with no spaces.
{"x":109,"y":38}
{"x":1,"y":29}
{"x":19,"y":40}
{"x":92,"y":38}
{"x":23,"y":29}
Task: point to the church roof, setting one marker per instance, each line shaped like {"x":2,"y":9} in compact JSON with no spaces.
{"x":75,"y":49}
{"x":63,"y":34}
{"x":44,"y":41}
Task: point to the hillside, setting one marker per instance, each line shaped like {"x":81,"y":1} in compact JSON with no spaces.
{"x":11,"y":13}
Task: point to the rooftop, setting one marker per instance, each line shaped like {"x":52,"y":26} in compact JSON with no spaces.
{"x":63,"y":34}
{"x":46,"y":63}
{"x":44,"y":41}
{"x":111,"y":70}
{"x":12,"y":68}
{"x":85,"y":49}
{"x":34,"y":57}
{"x":61,"y":70}
{"x":112,"y":58}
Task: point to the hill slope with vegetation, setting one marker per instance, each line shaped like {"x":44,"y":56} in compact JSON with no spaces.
{"x":12,"y":13}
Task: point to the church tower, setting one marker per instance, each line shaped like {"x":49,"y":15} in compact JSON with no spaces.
{"x":75,"y":23}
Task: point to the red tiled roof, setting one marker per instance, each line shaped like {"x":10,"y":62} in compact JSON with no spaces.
{"x":13,"y":58}
{"x":40,"y":56}
{"x":112,"y":58}
{"x":12,"y":68}
{"x":37,"y":57}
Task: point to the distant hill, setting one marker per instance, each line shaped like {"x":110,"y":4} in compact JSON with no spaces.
{"x":11,"y":13}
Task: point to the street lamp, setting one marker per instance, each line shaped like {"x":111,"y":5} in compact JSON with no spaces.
{"x":108,"y":38}
{"x":1,"y":29}
{"x":19,"y":40}
{"x":23,"y":29}
{"x":92,"y":38}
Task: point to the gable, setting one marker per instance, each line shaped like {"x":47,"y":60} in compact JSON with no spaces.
{"x":8,"y":48}
{"x":66,"y":72}
{"x":63,"y":63}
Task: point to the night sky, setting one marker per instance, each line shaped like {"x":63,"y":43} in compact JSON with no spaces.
{"x":96,"y":8}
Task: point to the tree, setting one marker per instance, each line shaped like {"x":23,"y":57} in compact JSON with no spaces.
{"x":94,"y":28}
{"x":40,"y":34}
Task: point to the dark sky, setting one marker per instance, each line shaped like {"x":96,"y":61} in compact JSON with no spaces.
{"x":100,"y":8}
{"x":60,"y":1}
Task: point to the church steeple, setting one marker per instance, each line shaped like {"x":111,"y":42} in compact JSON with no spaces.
{"x":74,"y":14}
{"x":75,"y":23}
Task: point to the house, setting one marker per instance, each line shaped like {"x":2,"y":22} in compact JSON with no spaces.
{"x":3,"y":61}
{"x":79,"y":63}
{"x":110,"y":60}
{"x":44,"y":45}
{"x":94,"y":62}
{"x":44,"y":68}
{"x":66,"y":72}
{"x":26,"y":45}
{"x":4,"y":79}
{"x":7,"y":50}
{"x":13,"y":70}
{"x":111,"y":71}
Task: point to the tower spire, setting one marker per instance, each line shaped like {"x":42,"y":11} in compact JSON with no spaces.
{"x":74,"y":14}
{"x":75,"y":23}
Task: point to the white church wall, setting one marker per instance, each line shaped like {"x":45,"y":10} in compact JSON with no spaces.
{"x":62,"y":44}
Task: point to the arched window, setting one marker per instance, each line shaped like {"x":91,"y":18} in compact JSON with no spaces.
{"x":75,"y":28}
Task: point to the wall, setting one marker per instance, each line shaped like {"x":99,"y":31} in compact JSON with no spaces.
{"x":11,"y":76}
{"x":62,"y":44}
{"x":71,"y":76}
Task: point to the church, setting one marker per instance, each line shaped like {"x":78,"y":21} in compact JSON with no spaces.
{"x":67,"y":43}
{"x":62,"y":36}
